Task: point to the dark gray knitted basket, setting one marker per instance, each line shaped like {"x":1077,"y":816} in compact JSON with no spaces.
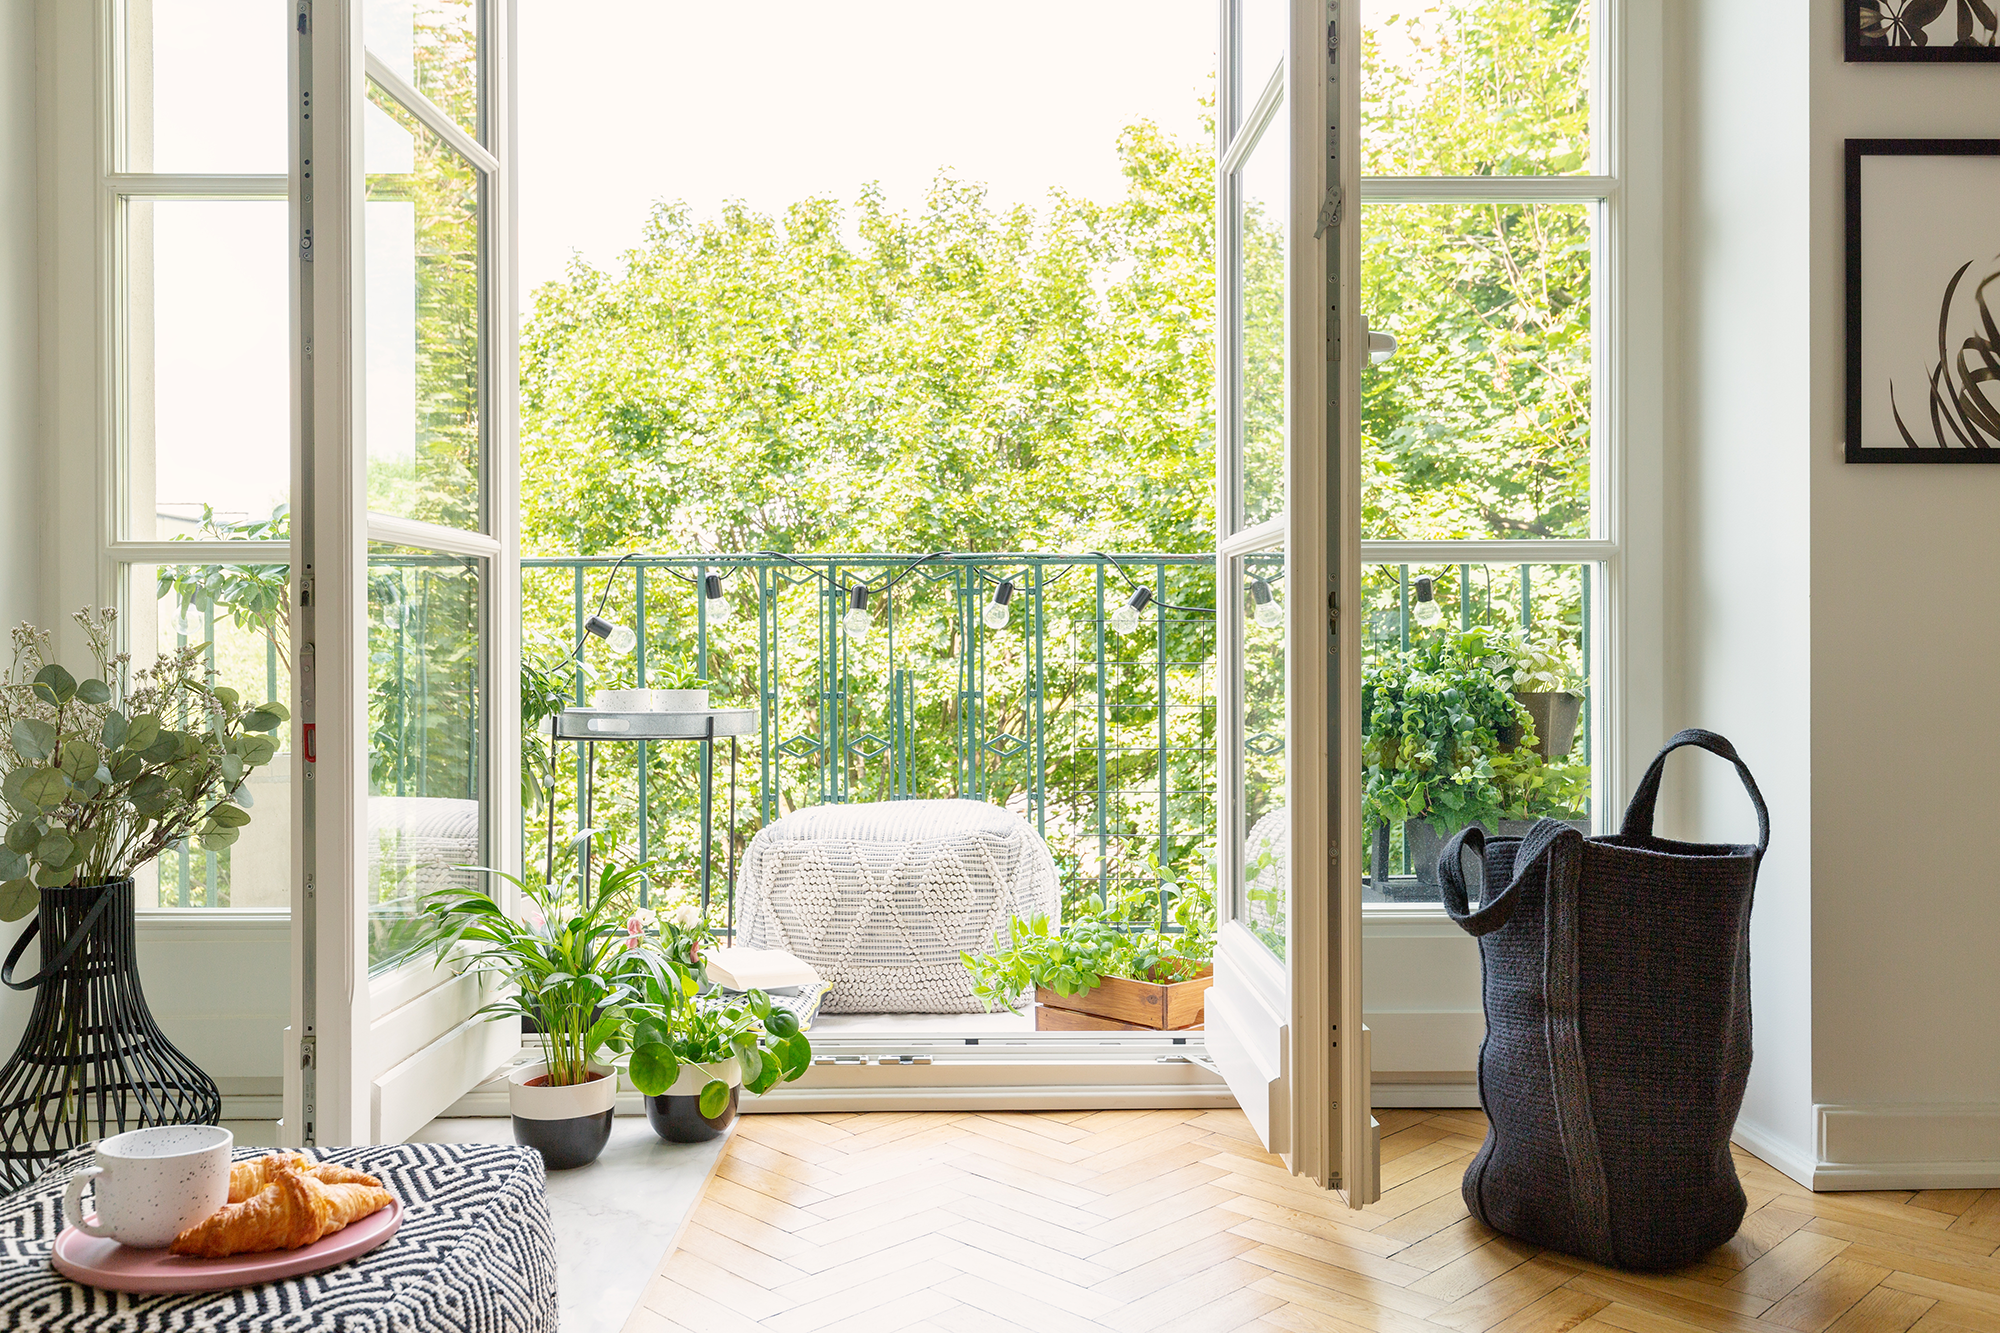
{"x":1617,"y":991}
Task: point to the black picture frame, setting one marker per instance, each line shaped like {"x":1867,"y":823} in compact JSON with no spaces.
{"x":1937,"y":432}
{"x":1943,"y":30}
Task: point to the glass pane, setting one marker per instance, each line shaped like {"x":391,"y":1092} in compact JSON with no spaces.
{"x":208,"y":374}
{"x":205,"y":86}
{"x":1263,"y":192}
{"x":1479,"y":426}
{"x":240,"y":615}
{"x":1475,"y":87}
{"x":1476,"y":699}
{"x":424,"y":323}
{"x":432,"y":45}
{"x":426,"y":782}
{"x":1260,"y":47}
{"x":1263,"y":900}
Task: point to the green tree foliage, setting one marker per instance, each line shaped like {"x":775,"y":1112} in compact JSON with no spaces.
{"x":1480,"y":426}
{"x":961,"y":377}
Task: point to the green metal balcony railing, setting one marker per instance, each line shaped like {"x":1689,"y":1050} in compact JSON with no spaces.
{"x":1104,"y":741}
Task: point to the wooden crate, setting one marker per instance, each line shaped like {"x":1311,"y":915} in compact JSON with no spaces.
{"x":1119,"y":1004}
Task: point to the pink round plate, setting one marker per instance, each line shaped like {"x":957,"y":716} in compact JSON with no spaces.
{"x":97,"y":1262}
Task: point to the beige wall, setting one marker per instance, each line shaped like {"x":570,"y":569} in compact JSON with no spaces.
{"x":1837,"y":622}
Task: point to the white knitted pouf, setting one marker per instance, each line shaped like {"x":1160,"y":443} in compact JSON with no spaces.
{"x":880,"y":898}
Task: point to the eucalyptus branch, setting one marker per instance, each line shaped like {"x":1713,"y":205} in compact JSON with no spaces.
{"x":99,"y":778}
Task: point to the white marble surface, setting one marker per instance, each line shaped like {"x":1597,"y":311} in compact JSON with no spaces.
{"x":613,"y":1219}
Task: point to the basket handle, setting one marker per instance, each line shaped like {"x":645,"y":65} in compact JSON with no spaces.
{"x":63,"y":955}
{"x":1639,"y":814}
{"x":1549,"y":840}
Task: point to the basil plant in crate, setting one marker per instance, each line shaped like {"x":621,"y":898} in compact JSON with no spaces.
{"x":99,"y":777}
{"x":1450,"y":744}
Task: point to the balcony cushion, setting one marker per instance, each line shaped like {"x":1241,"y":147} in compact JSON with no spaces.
{"x":881,"y":898}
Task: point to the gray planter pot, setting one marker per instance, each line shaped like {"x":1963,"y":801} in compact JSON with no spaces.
{"x":1556,"y":713}
{"x":1425,"y":844}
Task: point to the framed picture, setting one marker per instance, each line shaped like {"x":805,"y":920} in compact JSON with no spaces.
{"x":1923,"y":300}
{"x":1922,"y":30}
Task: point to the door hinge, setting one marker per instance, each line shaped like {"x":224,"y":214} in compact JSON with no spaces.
{"x":308,"y":1052}
{"x":1329,"y":213}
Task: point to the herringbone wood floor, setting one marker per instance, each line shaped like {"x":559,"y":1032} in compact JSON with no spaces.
{"x":1176,"y":1222}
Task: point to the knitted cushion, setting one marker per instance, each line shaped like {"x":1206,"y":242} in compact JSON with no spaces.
{"x":881,"y":898}
{"x":474,"y":1255}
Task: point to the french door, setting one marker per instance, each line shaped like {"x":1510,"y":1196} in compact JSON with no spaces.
{"x":405,"y":465}
{"x":1284,"y":1015}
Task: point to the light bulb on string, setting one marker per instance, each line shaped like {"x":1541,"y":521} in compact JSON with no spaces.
{"x":1269,"y":612}
{"x":714,"y":604}
{"x":1427,"y":612}
{"x":1126,"y":618}
{"x":618,"y":638}
{"x":857,"y":622}
{"x":997,"y":612}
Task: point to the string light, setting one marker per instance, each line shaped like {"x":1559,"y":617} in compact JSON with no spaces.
{"x":1427,"y":612}
{"x":1126,"y":618}
{"x":716,"y":604}
{"x":997,"y":612}
{"x":1269,"y":613}
{"x":857,"y":622}
{"x":619,"y":638}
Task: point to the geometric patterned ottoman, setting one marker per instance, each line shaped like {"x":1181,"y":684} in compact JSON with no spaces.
{"x":474,"y":1255}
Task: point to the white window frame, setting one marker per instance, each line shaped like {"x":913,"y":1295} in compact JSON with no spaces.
{"x":1627,"y":391}
{"x":97,"y":101}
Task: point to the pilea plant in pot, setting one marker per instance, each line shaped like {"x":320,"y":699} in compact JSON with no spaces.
{"x":581,"y":977}
{"x":1448,"y":745}
{"x":694,"y":1053}
{"x":1102,"y":968}
{"x":101,"y":776}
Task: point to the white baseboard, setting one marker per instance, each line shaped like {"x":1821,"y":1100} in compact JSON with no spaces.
{"x":1773,"y":1151}
{"x":1878,"y":1147}
{"x":1425,"y":1096}
{"x":1907,"y":1147}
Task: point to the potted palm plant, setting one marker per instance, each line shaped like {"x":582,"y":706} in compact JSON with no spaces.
{"x":580,"y":976}
{"x":100,"y":776}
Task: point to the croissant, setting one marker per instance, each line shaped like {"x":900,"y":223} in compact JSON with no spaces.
{"x":291,"y":1212}
{"x":247,"y":1178}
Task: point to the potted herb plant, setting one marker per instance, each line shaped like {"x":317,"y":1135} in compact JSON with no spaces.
{"x":1449,"y":745}
{"x":99,"y":777}
{"x":577,"y":972}
{"x":694,"y":1054}
{"x":1101,"y":970}
{"x":1540,"y":674}
{"x":681,"y":689}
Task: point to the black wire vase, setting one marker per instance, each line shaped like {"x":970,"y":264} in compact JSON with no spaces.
{"x":92,"y":1061}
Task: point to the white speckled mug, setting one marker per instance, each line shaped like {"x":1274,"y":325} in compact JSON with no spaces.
{"x":153,"y":1184}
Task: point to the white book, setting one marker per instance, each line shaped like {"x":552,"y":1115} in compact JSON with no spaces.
{"x":758,"y":969}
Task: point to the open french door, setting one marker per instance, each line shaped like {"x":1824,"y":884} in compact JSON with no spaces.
{"x":408,"y":703}
{"x":1284,"y":1015}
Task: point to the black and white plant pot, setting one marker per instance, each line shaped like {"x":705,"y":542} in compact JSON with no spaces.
{"x":567,"y":1125}
{"x":675,"y":1114}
